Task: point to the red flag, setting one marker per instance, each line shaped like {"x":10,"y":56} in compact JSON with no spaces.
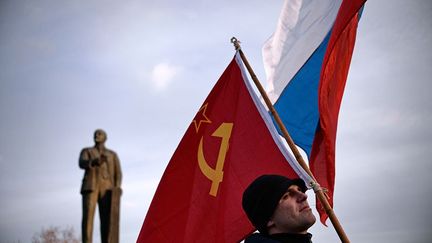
{"x":227,"y":145}
{"x":332,"y":83}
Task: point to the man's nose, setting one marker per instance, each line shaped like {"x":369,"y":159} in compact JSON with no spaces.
{"x":301,"y":196}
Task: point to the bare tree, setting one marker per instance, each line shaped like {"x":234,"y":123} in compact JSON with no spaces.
{"x":55,"y":235}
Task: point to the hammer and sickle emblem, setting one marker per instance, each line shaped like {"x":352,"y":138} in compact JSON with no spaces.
{"x":215,"y":175}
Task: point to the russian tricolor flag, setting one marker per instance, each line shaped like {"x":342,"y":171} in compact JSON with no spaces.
{"x":307,"y":61}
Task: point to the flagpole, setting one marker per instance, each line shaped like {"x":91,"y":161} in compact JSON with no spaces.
{"x":316,"y":187}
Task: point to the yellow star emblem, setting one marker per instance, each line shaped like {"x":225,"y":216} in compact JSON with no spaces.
{"x":201,"y":117}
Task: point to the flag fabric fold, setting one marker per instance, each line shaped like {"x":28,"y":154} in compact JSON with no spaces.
{"x":229,"y":143}
{"x":307,"y":61}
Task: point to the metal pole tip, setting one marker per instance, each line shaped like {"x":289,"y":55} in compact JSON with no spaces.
{"x":236,"y":43}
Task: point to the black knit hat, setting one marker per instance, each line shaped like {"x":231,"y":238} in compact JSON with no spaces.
{"x":262,"y":196}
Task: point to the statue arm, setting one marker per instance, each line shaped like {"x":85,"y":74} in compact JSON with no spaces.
{"x":85,"y":160}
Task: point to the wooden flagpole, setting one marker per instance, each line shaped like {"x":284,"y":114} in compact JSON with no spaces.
{"x":316,"y":187}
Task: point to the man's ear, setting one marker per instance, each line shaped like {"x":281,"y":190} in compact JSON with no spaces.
{"x":270,"y":223}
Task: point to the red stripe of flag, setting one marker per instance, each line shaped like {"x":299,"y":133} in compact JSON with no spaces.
{"x":332,"y":83}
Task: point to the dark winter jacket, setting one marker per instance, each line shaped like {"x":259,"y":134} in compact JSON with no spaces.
{"x":279,"y":238}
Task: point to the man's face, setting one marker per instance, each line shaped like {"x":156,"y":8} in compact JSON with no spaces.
{"x":293,"y":214}
{"x":99,"y":136}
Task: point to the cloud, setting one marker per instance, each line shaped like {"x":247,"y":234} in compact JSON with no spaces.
{"x":163,"y":74}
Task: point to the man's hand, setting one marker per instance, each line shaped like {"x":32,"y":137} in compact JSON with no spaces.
{"x":98,"y":161}
{"x":95,"y":162}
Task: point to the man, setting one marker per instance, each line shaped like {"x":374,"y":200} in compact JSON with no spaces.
{"x":102,"y":176}
{"x":278,"y":208}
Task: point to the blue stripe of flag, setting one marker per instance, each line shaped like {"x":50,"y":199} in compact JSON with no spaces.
{"x":297,"y":105}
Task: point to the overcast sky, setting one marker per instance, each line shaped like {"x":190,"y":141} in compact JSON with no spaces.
{"x":141,"y":69}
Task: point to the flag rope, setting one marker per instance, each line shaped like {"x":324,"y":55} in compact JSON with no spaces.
{"x":319,"y":192}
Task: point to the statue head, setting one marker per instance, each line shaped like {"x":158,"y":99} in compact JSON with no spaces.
{"x":100,"y":136}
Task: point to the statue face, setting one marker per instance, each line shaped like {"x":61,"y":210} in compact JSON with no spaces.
{"x":100,"y":136}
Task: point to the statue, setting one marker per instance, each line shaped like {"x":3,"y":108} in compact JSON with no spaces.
{"x":101,"y":185}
